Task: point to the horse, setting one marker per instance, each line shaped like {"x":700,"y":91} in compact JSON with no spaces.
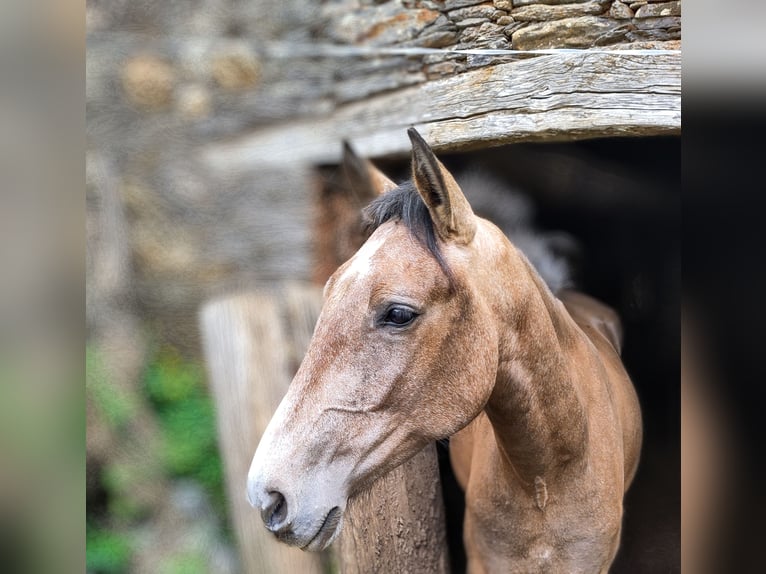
{"x":438,"y":327}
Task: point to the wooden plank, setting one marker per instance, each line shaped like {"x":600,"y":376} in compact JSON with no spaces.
{"x":558,"y":97}
{"x":247,"y":351}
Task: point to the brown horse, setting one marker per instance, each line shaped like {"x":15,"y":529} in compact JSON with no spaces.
{"x":439,"y":327}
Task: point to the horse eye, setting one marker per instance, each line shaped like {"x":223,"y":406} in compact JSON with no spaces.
{"x":399,"y":316}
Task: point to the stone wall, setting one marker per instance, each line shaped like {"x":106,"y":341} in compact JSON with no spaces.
{"x":499,"y":24}
{"x":164,"y":79}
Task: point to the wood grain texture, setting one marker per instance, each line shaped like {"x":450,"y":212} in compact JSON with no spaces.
{"x":248,"y":351}
{"x":398,"y":526}
{"x":547,"y":98}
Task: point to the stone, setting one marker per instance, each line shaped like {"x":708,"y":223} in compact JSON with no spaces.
{"x":470,"y":22}
{"x":581,"y":32}
{"x":484,"y":11}
{"x":139,"y":199}
{"x":505,"y":5}
{"x":620,"y":11}
{"x":662,"y":29}
{"x":381,"y":25}
{"x":194,"y":102}
{"x":427,"y":4}
{"x":517,"y":3}
{"x":452,"y":4}
{"x":663,"y":22}
{"x":160,"y":250}
{"x":505,"y":20}
{"x":236,"y":70}
{"x":148,"y":82}
{"x":437,"y":39}
{"x":544,"y":13}
{"x":511,"y":28}
{"x":663,"y":9}
{"x":480,"y":36}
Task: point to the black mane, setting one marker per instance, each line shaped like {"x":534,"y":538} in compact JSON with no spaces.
{"x":405,"y":204}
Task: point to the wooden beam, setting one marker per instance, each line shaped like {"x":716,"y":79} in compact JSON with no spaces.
{"x":559,"y":97}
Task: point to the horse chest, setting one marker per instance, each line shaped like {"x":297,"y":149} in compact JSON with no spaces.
{"x":508,"y":532}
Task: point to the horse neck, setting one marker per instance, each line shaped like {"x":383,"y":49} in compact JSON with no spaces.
{"x":535,"y":409}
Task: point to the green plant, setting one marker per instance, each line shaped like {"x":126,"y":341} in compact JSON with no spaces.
{"x":185,"y":447}
{"x":106,"y":552}
{"x":176,"y":388}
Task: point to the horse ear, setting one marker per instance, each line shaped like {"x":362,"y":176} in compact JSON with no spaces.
{"x":366,"y":180}
{"x":452,"y":215}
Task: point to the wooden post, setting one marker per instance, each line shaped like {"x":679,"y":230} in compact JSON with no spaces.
{"x":398,"y":525}
{"x":251,"y":344}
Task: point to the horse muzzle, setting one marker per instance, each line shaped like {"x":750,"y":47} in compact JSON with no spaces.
{"x":305,"y":524}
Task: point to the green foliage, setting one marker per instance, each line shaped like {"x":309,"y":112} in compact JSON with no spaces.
{"x":190,"y":435}
{"x":187,"y":563}
{"x":106,"y":552}
{"x":169,"y":379}
{"x":118,"y":480}
{"x":186,"y":447}
{"x":117,"y":406}
{"x":187,"y":416}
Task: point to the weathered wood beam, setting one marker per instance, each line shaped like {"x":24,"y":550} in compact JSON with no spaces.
{"x":559,"y":97}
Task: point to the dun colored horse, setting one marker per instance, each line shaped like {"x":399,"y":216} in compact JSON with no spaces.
{"x":439,"y":327}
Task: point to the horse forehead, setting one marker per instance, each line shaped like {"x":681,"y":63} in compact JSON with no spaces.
{"x":389,"y":243}
{"x":360,"y":264}
{"x":385,"y":258}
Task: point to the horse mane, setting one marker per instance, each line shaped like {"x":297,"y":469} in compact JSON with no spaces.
{"x":405,"y":204}
{"x":512,"y":211}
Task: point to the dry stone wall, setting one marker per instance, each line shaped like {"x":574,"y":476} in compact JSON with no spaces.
{"x":476,"y":24}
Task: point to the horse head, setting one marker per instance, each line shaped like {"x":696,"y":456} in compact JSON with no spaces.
{"x":404,"y":352}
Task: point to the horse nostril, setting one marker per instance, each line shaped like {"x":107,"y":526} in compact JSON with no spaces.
{"x":274,"y":513}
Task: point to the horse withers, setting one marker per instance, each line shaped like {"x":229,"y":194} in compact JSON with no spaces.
{"x":439,"y":327}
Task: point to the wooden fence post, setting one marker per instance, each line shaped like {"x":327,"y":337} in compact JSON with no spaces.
{"x":251,"y":344}
{"x":398,"y":526}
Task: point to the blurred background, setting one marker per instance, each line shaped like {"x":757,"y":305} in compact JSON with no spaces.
{"x":162,"y":236}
